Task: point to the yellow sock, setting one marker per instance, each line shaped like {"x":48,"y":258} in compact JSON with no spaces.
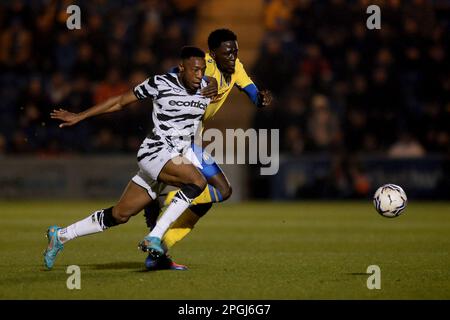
{"x":169,"y":197}
{"x":180,"y":229}
{"x":210,"y":194}
{"x":204,"y":197}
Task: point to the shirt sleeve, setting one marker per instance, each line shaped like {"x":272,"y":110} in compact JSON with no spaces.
{"x":242,"y":79}
{"x":252,"y":92}
{"x":147,"y":89}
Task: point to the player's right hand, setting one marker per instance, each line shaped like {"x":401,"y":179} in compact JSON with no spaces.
{"x":68,"y":118}
{"x":211,"y":90}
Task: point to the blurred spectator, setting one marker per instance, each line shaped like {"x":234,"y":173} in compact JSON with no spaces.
{"x":315,"y":64}
{"x":277,"y":78}
{"x":85,"y":64}
{"x":112,"y":86}
{"x":406,"y":147}
{"x":355,"y":129}
{"x":171,"y":41}
{"x":277,"y":15}
{"x":323,"y":126}
{"x":296,"y":145}
{"x":433,"y":127}
{"x":58,"y":88}
{"x":15,"y":46}
{"x":64,"y":53}
{"x":345,"y":179}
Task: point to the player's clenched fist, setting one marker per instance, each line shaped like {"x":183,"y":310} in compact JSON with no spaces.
{"x":265,"y":98}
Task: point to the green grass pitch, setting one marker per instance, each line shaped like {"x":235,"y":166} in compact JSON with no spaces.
{"x":267,"y":250}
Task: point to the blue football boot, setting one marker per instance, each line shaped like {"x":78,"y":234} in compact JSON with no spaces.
{"x":54,"y":246}
{"x":162,"y":263}
{"x":153,"y":246}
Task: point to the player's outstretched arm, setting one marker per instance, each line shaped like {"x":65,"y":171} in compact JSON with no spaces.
{"x":260,"y":98}
{"x":111,"y":105}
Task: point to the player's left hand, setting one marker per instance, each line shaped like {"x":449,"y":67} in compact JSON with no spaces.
{"x":265,"y":98}
{"x":210,"y":91}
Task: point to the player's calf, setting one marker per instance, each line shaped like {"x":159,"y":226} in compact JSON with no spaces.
{"x":200,"y":209}
{"x":151,"y":213}
{"x":119,"y":215}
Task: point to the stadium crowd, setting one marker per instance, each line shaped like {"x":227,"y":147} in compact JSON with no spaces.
{"x":339,"y":85}
{"x":344,"y":88}
{"x":43,"y":65}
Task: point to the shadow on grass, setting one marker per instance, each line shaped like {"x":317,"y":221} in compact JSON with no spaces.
{"x":137,"y":267}
{"x":357,"y":274}
{"x":132,"y":266}
{"x":117,"y":266}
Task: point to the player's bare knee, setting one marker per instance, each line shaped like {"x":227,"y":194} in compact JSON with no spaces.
{"x":226,"y":192}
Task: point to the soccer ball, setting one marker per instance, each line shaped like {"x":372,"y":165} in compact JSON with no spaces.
{"x":390,"y":200}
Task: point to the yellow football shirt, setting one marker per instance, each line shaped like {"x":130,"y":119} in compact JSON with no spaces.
{"x":239,"y":78}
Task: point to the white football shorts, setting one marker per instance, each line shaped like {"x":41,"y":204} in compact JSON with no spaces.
{"x":152,"y":157}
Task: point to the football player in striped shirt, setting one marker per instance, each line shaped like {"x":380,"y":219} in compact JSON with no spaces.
{"x":222,"y":64}
{"x":164,"y":158}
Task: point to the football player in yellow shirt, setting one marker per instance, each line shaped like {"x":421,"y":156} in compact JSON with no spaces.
{"x":223,"y":65}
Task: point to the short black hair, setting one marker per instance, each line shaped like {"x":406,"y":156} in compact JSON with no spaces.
{"x":191,"y":51}
{"x":218,"y":36}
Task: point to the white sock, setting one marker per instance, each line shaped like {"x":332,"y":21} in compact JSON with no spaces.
{"x":89,"y":225}
{"x":173,"y":212}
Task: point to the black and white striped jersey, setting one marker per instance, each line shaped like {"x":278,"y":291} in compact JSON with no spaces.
{"x":176,"y":113}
